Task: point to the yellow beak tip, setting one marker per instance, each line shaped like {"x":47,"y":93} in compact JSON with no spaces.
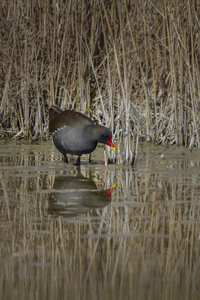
{"x":112,"y":186}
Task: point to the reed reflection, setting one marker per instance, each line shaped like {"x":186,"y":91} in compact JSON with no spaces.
{"x":76,"y":195}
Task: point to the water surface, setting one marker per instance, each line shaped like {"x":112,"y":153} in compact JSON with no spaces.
{"x":66,"y":234}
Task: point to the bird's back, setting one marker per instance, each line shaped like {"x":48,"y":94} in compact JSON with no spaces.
{"x":59,"y":118}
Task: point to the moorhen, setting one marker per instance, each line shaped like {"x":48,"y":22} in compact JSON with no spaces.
{"x":75,"y":133}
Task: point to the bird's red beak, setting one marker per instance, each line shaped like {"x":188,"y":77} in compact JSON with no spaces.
{"x":110,"y":143}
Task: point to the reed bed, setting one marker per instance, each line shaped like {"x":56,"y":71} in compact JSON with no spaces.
{"x":132,"y":65}
{"x":145,"y":244}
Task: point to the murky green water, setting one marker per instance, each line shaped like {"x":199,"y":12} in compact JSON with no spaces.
{"x":65,"y":235}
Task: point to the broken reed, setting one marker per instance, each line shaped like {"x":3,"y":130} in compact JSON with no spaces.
{"x":132,"y":65}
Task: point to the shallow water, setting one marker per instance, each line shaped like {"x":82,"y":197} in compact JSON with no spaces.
{"x":66,"y":234}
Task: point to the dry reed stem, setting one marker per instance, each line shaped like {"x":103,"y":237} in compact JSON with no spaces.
{"x":132,"y":65}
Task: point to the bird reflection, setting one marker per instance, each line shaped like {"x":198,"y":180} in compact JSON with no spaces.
{"x":75,"y":195}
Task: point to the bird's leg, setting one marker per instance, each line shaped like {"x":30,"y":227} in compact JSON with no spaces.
{"x":90,"y":159}
{"x":78,"y":162}
{"x":65,"y":159}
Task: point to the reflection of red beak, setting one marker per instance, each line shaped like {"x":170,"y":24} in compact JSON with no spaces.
{"x":110,"y":190}
{"x":110,"y":143}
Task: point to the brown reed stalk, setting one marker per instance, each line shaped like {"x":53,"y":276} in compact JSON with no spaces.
{"x":100,"y":58}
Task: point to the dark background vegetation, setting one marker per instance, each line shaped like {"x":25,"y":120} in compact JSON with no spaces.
{"x":132,"y":65}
